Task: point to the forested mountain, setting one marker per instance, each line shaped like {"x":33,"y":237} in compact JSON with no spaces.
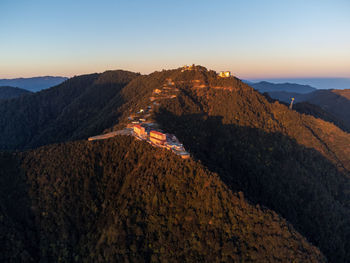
{"x":275,"y":155}
{"x":316,"y":111}
{"x":7,"y":92}
{"x":335,"y":102}
{"x":123,"y":200}
{"x":76,"y":109}
{"x":33,"y":84}
{"x":97,"y":200}
{"x":264,"y":86}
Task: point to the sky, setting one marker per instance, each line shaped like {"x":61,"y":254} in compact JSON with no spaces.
{"x":253,"y":39}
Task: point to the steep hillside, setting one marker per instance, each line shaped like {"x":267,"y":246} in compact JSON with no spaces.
{"x":17,"y":228}
{"x":286,"y":96}
{"x":335,"y":102}
{"x":344,"y":93}
{"x":7,"y":92}
{"x":293,"y":163}
{"x":316,"y":111}
{"x":72,"y":110}
{"x":265,"y":86}
{"x":33,"y":84}
{"x":123,"y":200}
{"x":202,"y":92}
{"x":306,"y":108}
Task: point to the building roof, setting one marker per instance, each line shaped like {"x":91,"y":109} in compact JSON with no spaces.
{"x":157,"y":132}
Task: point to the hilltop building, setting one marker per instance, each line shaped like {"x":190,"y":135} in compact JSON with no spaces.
{"x":144,"y":129}
{"x":224,"y":74}
{"x":157,"y":137}
{"x":170,"y":82}
{"x":139,"y":130}
{"x":188,"y":67}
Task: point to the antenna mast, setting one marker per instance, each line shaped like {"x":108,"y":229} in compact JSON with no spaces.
{"x":291,"y":104}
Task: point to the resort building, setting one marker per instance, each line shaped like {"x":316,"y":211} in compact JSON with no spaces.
{"x":224,"y":74}
{"x":139,"y":130}
{"x":157,"y":137}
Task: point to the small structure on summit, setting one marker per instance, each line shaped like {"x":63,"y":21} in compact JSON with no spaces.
{"x":188,"y":67}
{"x":224,"y":74}
{"x":170,"y":82}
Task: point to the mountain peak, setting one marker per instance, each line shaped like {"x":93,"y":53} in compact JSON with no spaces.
{"x":281,"y":159}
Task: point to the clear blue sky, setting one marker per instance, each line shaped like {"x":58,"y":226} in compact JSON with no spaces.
{"x":253,"y":39}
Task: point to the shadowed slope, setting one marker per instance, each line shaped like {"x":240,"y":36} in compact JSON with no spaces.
{"x":293,"y":163}
{"x":316,"y":111}
{"x":65,"y":112}
{"x":120,"y":200}
{"x":335,"y":102}
{"x":18,"y":237}
{"x":7,"y":92}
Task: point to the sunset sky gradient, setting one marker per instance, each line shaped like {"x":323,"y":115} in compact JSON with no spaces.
{"x":253,"y":39}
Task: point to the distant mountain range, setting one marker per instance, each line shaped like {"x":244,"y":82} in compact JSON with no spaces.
{"x":319,"y":83}
{"x":265,"y":86}
{"x":33,"y":84}
{"x":7,"y":92}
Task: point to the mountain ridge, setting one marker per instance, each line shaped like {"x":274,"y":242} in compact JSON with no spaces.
{"x":319,"y":83}
{"x":56,"y":114}
{"x":131,"y":203}
{"x":336,"y":102}
{"x":33,"y":84}
{"x":265,"y":86}
{"x":292,"y":163}
{"x":8,"y":92}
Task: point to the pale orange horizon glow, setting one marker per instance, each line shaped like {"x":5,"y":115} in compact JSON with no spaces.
{"x":245,"y":70}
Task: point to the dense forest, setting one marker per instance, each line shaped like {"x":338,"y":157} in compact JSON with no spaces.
{"x":123,"y":200}
{"x":7,"y":92}
{"x":316,"y":111}
{"x":259,"y":175}
{"x":76,"y":109}
{"x":295,"y":164}
{"x":335,"y":102}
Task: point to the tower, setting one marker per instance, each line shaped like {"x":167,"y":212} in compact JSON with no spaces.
{"x":291,"y":104}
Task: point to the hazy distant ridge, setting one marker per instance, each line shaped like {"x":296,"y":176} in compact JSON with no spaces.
{"x":33,"y":84}
{"x":319,"y":83}
{"x":265,"y":86}
{"x":7,"y":92}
